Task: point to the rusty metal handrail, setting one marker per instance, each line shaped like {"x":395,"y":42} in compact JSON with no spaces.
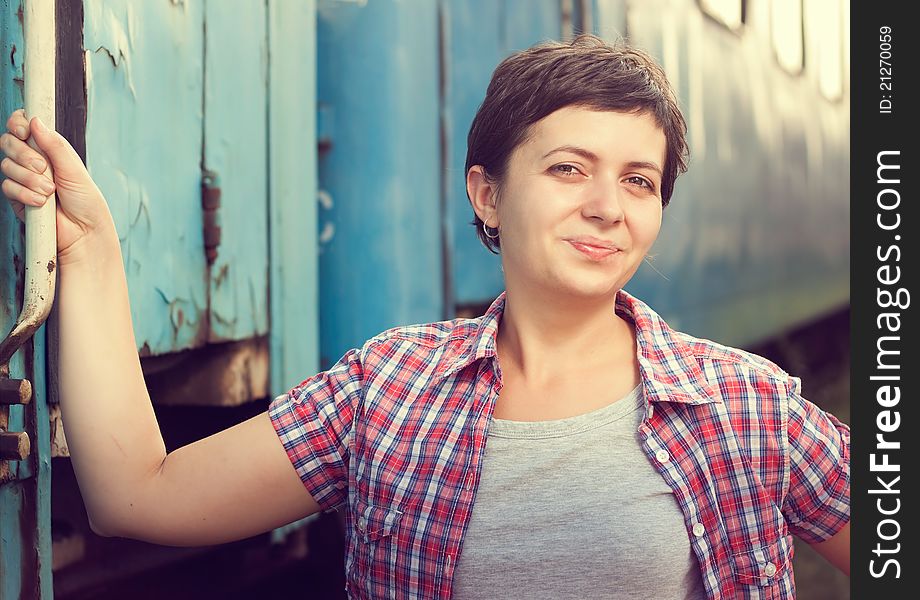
{"x":39,"y":30}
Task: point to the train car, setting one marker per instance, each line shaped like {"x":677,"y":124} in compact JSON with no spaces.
{"x":286,"y":178}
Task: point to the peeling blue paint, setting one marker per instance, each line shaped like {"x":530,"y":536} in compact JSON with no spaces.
{"x":144,"y":78}
{"x":236,"y":147}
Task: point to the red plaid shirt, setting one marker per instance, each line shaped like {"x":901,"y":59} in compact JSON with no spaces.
{"x":395,"y":433}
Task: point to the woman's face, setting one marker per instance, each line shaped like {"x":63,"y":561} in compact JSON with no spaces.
{"x":580,"y":205}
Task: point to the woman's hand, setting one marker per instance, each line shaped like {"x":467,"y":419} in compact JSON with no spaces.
{"x":81,"y":209}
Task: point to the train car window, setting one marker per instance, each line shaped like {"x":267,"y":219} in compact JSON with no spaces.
{"x":728,"y":12}
{"x":824,"y":32}
{"x":787,"y":34}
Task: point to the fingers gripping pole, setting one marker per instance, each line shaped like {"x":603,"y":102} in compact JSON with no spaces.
{"x":39,"y":31}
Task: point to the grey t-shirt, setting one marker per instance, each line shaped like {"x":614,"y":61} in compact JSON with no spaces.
{"x":573,"y":509}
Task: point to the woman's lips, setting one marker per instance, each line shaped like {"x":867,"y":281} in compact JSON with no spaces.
{"x":595,"y":253}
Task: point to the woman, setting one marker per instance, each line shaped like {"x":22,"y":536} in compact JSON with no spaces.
{"x":568,"y":443}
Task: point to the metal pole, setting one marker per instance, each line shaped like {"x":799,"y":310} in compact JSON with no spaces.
{"x":41,"y":235}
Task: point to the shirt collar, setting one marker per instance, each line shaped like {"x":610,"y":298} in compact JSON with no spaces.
{"x":477,"y":342}
{"x":667,"y":365}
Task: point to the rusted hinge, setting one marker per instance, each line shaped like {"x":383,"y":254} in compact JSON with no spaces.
{"x":210,"y":204}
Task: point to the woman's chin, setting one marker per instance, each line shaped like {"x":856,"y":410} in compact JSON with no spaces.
{"x":590,"y":287}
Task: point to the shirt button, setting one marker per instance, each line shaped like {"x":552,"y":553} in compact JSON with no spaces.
{"x":698,"y":529}
{"x":770,"y":569}
{"x":662,"y":456}
{"x":362,"y":523}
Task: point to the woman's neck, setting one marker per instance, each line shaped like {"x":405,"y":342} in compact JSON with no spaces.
{"x":542,"y":338}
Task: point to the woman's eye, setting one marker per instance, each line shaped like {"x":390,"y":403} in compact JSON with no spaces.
{"x":641,"y":182}
{"x":565,"y":170}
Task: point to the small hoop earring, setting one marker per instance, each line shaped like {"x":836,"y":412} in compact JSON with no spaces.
{"x":485,"y":230}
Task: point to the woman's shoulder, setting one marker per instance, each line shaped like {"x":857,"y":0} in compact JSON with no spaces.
{"x":715,"y":360}
{"x":458,"y":333}
{"x":708,"y":350}
{"x":424,"y":348}
{"x":432,"y":335}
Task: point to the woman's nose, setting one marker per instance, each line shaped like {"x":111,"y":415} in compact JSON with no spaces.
{"x":604,"y":201}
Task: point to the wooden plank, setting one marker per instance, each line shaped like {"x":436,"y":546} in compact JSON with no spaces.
{"x":226,"y":374}
{"x":235,"y":147}
{"x":294,"y":266}
{"x":143,"y":144}
{"x":380,"y":259}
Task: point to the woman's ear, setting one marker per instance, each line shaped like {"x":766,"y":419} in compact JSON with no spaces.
{"x":481,"y":192}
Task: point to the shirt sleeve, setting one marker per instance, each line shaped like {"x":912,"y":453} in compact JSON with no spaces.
{"x":817,"y":504}
{"x":314,"y":421}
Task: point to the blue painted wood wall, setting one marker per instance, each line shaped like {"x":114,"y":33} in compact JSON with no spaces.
{"x":175,"y":89}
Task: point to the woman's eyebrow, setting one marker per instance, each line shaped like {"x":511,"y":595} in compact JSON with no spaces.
{"x":587,"y":154}
{"x":644,"y":165}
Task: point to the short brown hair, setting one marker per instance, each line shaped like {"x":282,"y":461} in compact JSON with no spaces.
{"x":588,"y":72}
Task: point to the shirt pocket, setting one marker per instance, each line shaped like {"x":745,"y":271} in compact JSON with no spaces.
{"x":765,"y":566}
{"x":373,"y":554}
{"x":374,"y":522}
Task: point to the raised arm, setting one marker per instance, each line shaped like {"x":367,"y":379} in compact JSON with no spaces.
{"x":231,"y":485}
